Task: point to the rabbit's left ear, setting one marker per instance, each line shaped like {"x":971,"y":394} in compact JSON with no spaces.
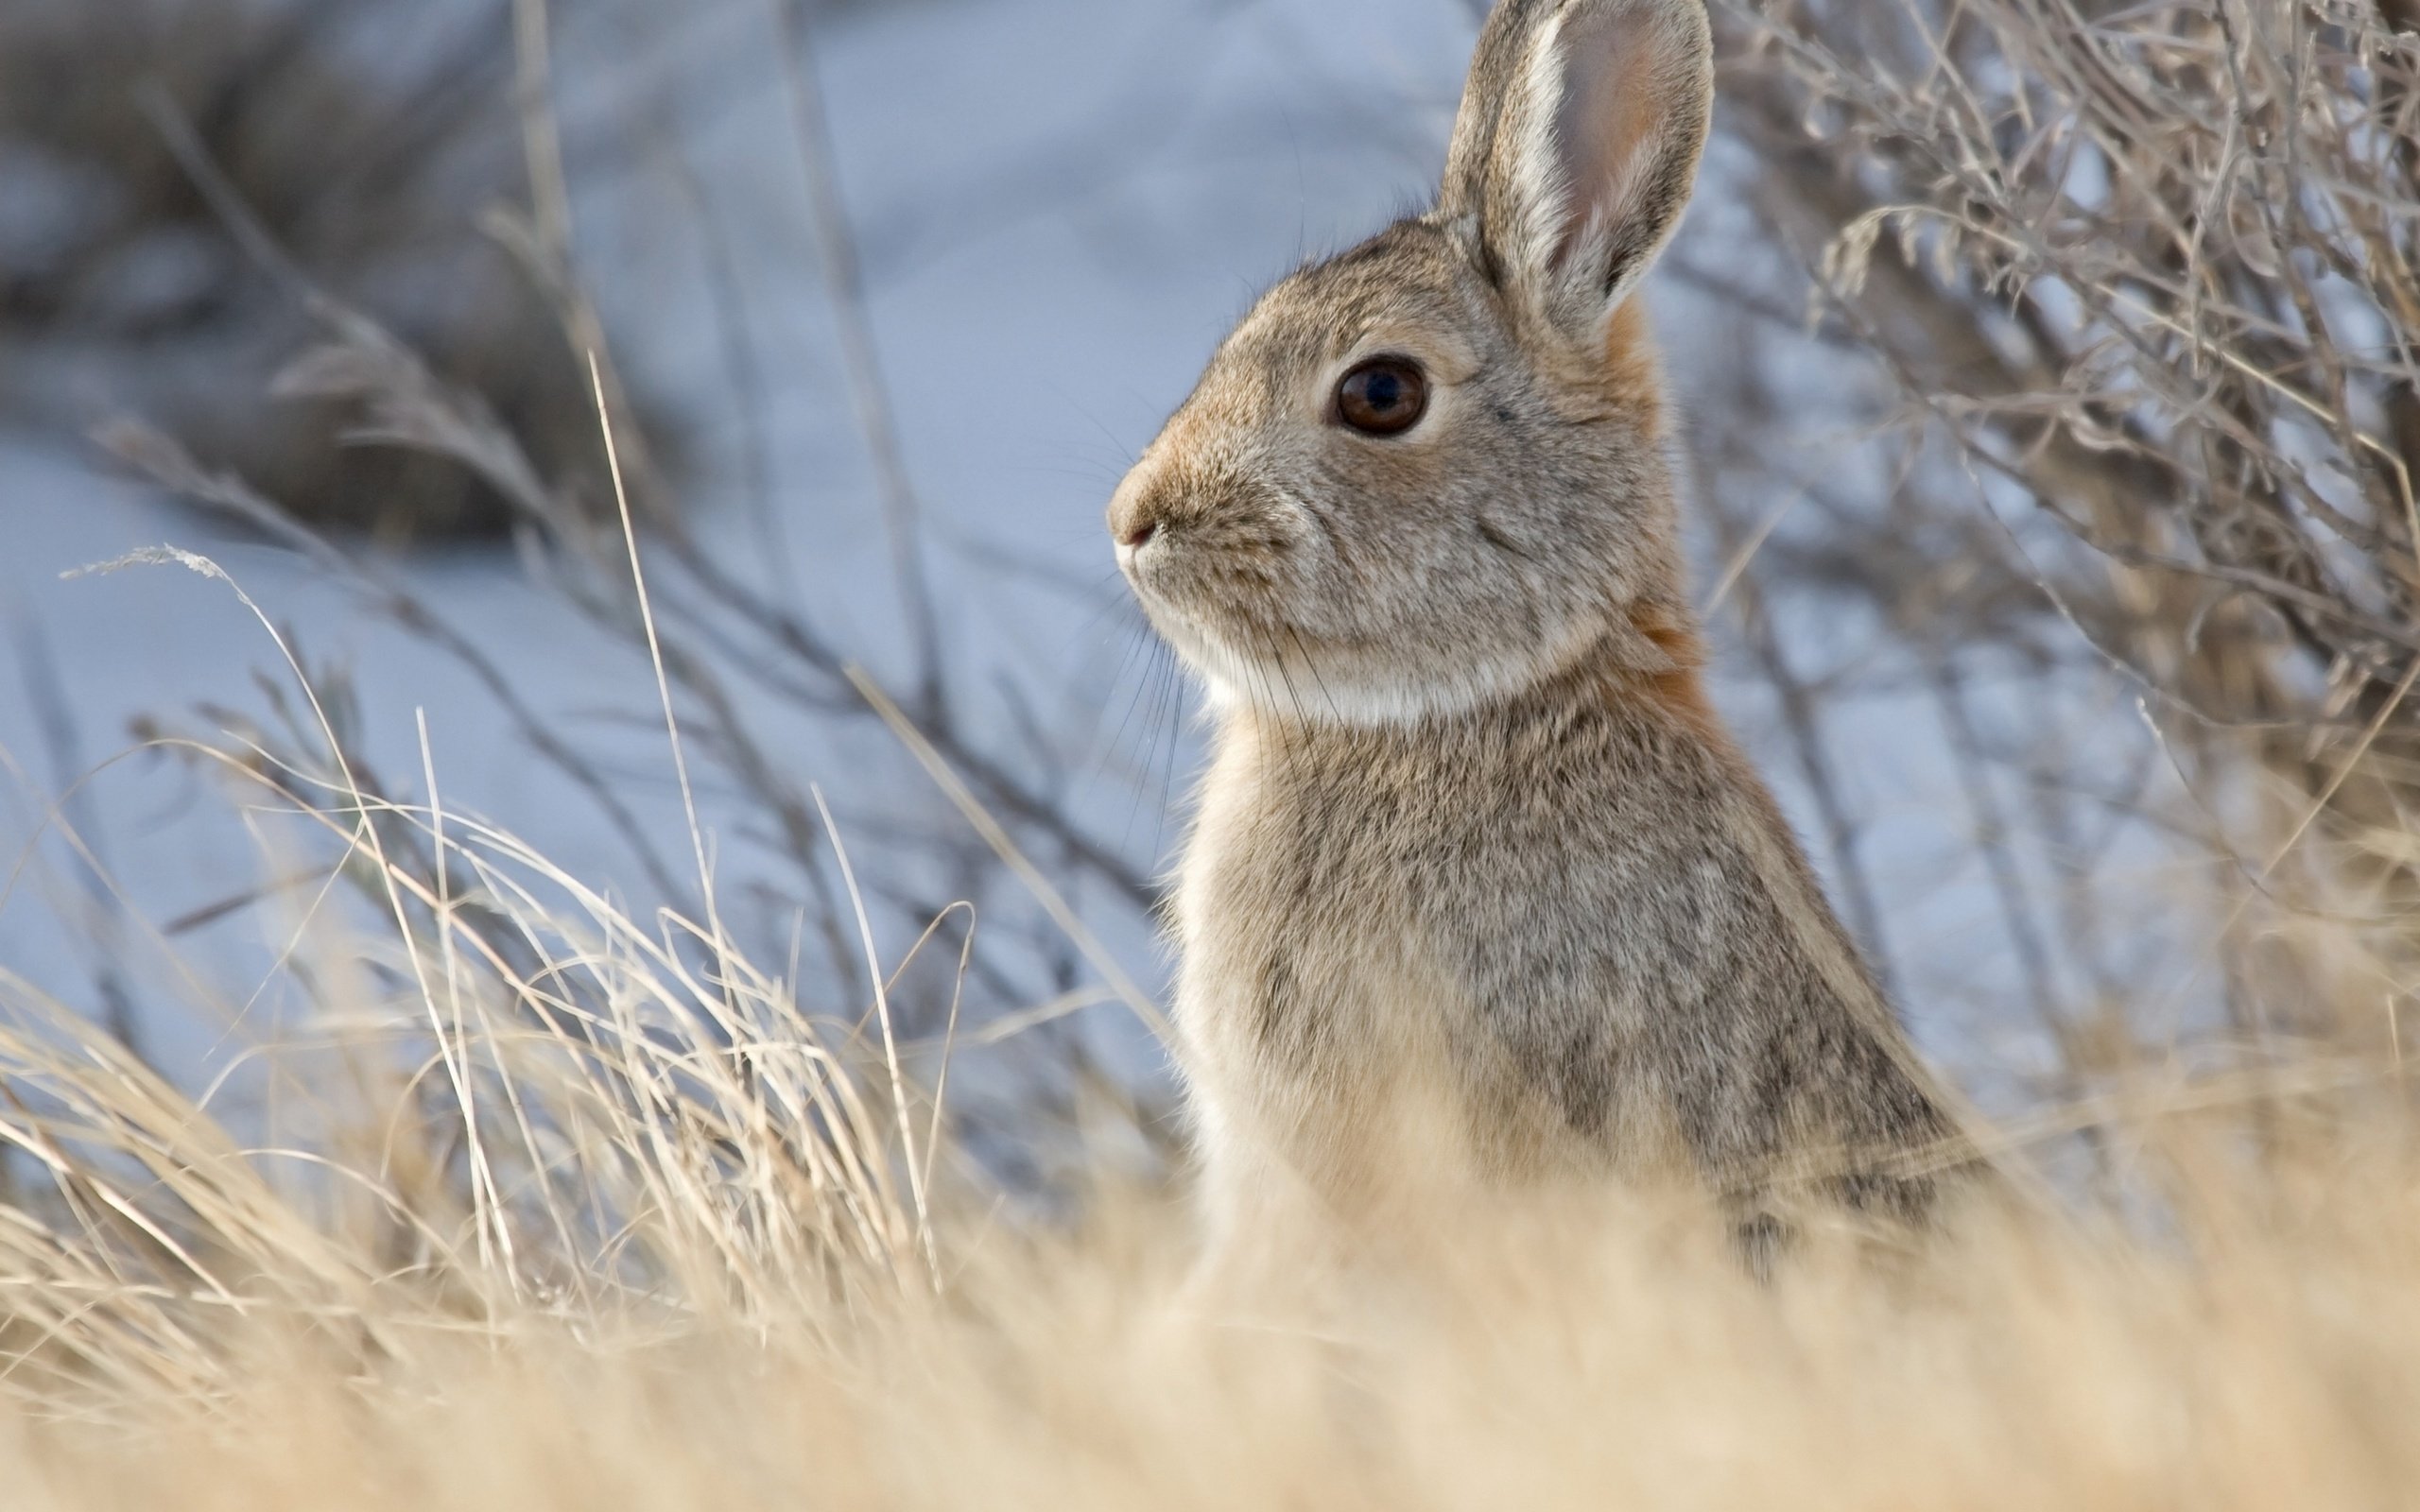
{"x":1578,"y":145}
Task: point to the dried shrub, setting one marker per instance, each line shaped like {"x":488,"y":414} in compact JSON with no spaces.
{"x":2142,"y":275}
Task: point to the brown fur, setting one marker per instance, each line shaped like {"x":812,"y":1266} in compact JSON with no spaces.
{"x":1631,"y":377}
{"x":1679,"y":694}
{"x":1481,"y":895}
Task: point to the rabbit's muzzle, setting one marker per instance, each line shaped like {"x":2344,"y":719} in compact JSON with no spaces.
{"x":1205,"y":545}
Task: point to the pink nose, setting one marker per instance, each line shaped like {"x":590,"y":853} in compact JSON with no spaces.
{"x":1133,"y":536}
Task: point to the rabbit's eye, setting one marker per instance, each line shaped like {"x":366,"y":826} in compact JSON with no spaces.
{"x":1385,"y":396}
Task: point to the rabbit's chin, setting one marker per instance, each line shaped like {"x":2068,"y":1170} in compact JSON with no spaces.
{"x":1294,"y":678}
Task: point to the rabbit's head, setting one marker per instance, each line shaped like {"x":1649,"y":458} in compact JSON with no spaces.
{"x":1429,"y":473}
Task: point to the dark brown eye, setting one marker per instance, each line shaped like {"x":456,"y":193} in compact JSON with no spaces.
{"x":1385,"y":396}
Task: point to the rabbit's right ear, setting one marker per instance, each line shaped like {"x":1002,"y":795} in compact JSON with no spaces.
{"x":1577,"y":145}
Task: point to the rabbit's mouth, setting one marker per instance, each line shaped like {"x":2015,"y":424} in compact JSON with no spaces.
{"x":1216,"y":557}
{"x":1195,"y":586}
{"x":1219,"y":595}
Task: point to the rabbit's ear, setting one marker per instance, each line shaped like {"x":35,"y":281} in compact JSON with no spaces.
{"x":1577,"y":145}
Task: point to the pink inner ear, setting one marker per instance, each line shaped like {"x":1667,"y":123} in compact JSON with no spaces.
{"x":1612,"y":108}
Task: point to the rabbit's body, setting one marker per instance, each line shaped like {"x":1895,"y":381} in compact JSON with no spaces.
{"x":1479,"y":893}
{"x":1569,"y":938}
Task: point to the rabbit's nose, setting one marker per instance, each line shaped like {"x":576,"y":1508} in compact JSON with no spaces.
{"x":1136,"y":514}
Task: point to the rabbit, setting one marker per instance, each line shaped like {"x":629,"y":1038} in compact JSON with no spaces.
{"x":1478,"y":894}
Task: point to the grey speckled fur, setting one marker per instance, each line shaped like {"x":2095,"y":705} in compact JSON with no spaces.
{"x":1480,"y":895}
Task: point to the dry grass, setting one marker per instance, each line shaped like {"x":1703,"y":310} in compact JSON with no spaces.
{"x":547,"y":1206}
{"x":532,"y":1202}
{"x":1574,"y":1371}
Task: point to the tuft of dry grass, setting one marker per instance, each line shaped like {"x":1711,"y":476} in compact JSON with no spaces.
{"x":602,"y":1229}
{"x":1581,"y":1374}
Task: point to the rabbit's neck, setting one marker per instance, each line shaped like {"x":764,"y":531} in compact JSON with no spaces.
{"x":1644,"y":670}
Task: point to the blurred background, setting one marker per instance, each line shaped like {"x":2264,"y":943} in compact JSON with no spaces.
{"x":2050,"y":428}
